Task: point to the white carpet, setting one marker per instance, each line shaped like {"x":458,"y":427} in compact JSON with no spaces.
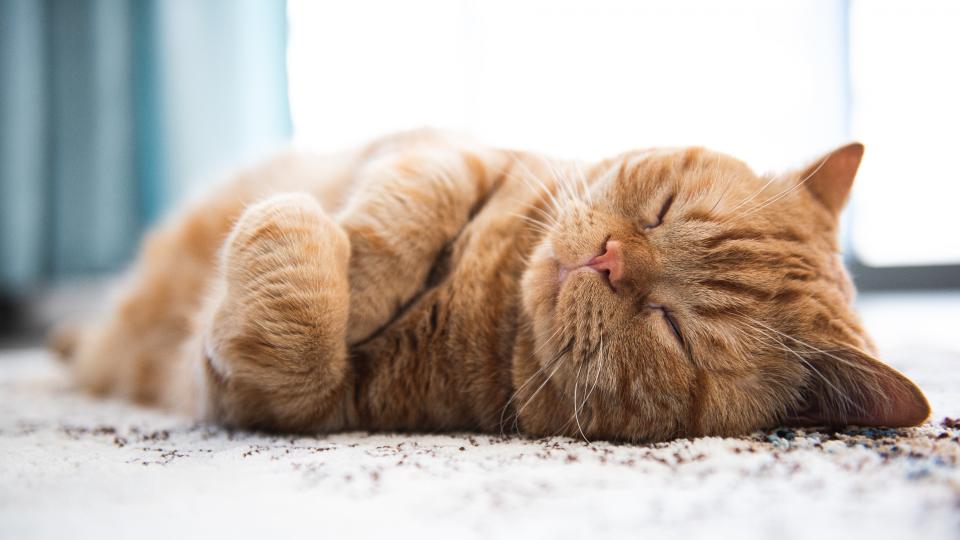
{"x":73,"y":467}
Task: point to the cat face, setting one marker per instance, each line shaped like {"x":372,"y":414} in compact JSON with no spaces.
{"x":678,"y":293}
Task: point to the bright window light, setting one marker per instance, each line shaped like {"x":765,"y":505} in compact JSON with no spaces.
{"x":906,"y":108}
{"x":770,"y":82}
{"x":757,"y":79}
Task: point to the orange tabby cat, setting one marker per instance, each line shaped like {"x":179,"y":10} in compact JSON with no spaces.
{"x":429,"y":283}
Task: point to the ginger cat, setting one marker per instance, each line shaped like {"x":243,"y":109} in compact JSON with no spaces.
{"x":429,"y":283}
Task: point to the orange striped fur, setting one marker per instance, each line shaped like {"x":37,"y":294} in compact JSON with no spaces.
{"x":426,"y":282}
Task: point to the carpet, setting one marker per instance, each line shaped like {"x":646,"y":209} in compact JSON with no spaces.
{"x":76,"y":467}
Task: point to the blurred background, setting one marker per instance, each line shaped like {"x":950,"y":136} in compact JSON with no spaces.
{"x":113,"y":111}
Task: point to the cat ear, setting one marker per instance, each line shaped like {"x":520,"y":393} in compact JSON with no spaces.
{"x":851,"y":387}
{"x":830,"y":178}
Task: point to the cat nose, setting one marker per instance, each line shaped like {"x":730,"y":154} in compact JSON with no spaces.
{"x":610,"y":261}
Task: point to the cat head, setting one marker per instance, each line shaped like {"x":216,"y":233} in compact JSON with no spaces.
{"x":678,"y":293}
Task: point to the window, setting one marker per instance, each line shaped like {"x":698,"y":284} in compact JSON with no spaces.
{"x":774,"y":83}
{"x":906,"y":107}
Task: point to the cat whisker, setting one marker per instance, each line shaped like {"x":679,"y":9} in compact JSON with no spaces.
{"x":583,"y":181}
{"x":559,"y":180}
{"x":596,"y":381}
{"x":516,"y":392}
{"x":548,"y":218}
{"x":538,"y":225}
{"x":535,"y":185}
{"x":577,"y":195}
{"x":720,"y":198}
{"x":752,"y":196}
{"x":527,"y":175}
{"x":559,"y":363}
{"x":576,"y":411}
{"x":824,"y":352}
{"x":780,"y":345}
{"x":566,"y":184}
{"x":772,"y":200}
{"x":786,"y":192}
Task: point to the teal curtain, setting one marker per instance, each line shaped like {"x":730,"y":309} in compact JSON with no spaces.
{"x":112,"y":110}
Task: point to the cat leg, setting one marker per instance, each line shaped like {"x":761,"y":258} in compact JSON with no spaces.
{"x":407,"y":208}
{"x":132,"y":349}
{"x":273,"y":349}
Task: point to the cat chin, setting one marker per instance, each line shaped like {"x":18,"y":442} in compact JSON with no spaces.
{"x":555,"y":295}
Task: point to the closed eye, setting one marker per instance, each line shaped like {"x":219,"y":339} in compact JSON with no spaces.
{"x":671,"y":322}
{"x":663,"y":212}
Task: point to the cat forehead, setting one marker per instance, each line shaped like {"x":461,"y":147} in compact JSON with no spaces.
{"x":689,"y":164}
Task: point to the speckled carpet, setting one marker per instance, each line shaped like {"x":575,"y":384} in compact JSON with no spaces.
{"x":74,"y":467}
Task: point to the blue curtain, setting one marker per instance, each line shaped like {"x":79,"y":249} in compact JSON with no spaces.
{"x":111,"y":110}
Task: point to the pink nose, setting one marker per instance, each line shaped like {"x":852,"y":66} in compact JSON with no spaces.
{"x":610,"y":261}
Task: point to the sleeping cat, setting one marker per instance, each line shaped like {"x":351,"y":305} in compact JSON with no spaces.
{"x":429,"y":283}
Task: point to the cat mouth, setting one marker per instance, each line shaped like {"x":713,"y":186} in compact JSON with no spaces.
{"x":607,"y":263}
{"x":565,"y":273}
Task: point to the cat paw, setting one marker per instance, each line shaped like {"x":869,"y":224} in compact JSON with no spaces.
{"x":275,"y":345}
{"x":285,"y":230}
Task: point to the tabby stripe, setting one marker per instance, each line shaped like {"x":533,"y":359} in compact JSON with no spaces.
{"x":739,"y":288}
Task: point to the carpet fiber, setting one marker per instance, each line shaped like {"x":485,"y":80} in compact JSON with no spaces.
{"x":74,"y":467}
